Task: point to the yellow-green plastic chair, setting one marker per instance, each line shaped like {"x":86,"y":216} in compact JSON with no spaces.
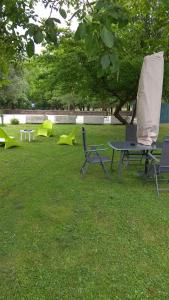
{"x":46,"y":129}
{"x":68,"y":139}
{"x":8,"y":141}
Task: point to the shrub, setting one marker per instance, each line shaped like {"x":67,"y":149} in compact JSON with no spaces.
{"x":14,"y":121}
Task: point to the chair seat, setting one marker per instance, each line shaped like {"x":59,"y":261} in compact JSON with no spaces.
{"x":163,"y":169}
{"x":95,"y":159}
{"x":158,"y":169}
{"x":134,"y":154}
{"x":9,"y":141}
{"x":69,"y":139}
{"x":45,"y":129}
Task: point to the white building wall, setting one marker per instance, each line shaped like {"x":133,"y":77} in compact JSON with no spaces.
{"x":8,"y":118}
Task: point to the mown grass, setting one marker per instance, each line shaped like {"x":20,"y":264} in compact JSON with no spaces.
{"x":64,"y":237}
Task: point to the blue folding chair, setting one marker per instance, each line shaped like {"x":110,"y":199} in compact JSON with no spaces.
{"x":92,"y":155}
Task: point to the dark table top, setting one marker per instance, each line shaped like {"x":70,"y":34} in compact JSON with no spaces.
{"x":128,"y":146}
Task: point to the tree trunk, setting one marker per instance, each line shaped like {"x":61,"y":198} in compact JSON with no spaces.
{"x":133,"y":112}
{"x":2,"y":119}
{"x":111,"y":110}
{"x":117,"y":114}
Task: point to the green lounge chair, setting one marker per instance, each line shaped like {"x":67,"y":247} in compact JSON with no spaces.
{"x":68,"y":139}
{"x":46,"y":129}
{"x":9,"y":141}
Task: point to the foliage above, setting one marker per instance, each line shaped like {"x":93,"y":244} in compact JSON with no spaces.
{"x":98,"y":31}
{"x":95,"y":19}
{"x":21,"y":28}
{"x":147,"y":30}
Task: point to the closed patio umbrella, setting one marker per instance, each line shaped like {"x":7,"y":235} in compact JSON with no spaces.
{"x":149,"y":98}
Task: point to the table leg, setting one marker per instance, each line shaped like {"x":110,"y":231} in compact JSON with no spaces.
{"x":120,"y":164}
{"x":112,"y":159}
{"x":146,"y":163}
{"x":29,"y":135}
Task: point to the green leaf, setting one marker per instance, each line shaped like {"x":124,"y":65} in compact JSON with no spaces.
{"x":51,"y":37}
{"x":91,"y":44}
{"x":113,"y":58}
{"x":81,"y":31}
{"x":107,"y":37}
{"x":38,"y":37}
{"x":32,"y":29}
{"x":105,"y":61}
{"x":56,"y":20}
{"x":100,"y":4}
{"x":62,"y":13}
{"x":50,"y":22}
{"x":30,"y":48}
{"x":51,"y":31}
{"x":115,"y":62}
{"x":100,"y":72}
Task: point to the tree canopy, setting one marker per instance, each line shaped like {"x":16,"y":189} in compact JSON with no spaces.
{"x":99,"y":64}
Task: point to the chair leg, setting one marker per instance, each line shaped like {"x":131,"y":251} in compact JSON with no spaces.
{"x":123,"y":156}
{"x":142,"y":156}
{"x":156,"y":180}
{"x":157,"y":187}
{"x":104,"y":169}
{"x":120,"y":163}
{"x":82,"y":170}
{"x":126,"y":158}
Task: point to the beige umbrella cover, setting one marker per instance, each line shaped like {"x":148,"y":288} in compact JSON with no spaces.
{"x":149,"y":98}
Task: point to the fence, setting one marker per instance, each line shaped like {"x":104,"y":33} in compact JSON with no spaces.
{"x":60,"y":119}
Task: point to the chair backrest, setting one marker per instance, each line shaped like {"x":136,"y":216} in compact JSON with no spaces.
{"x":131,"y":133}
{"x":164,"y":159}
{"x":73,"y":133}
{"x":47,"y":124}
{"x":84,"y":139}
{"x":3,"y":134}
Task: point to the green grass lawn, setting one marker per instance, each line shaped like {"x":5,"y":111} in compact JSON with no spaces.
{"x":64,"y":237}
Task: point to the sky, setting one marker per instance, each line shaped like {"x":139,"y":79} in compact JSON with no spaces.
{"x":45,"y":13}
